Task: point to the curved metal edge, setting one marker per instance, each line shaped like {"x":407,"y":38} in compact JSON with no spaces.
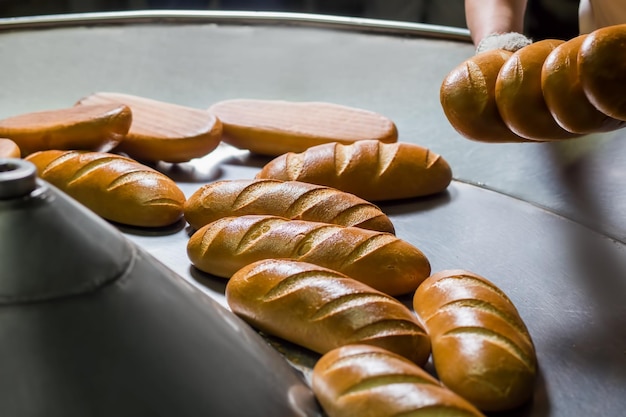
{"x":237,"y":17}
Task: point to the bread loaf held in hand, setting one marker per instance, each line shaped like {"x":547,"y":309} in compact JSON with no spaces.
{"x":377,"y":259}
{"x":519,"y":94}
{"x":564,"y":95}
{"x":370,"y":169}
{"x":321,"y":309}
{"x":481,"y":347}
{"x":361,"y":380}
{"x":115,"y":187}
{"x":274,"y":127}
{"x":602,"y":69}
{"x":468,"y":98}
{"x":290,"y":199}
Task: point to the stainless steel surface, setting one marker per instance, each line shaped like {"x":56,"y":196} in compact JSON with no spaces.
{"x":544,"y":221}
{"x":238,"y":18}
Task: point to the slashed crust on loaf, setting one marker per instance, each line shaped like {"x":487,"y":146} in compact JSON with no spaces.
{"x":372,"y":170}
{"x":290,"y":199}
{"x":322,"y":309}
{"x":377,"y":259}
{"x":359,"y":380}
{"x":115,"y":187}
{"x":482,"y":349}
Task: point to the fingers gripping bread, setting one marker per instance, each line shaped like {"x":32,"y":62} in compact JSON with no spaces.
{"x":322,"y":309}
{"x":377,"y":259}
{"x":290,"y":199}
{"x":372,"y":170}
{"x":163,"y":131}
{"x":116,"y":188}
{"x":359,"y":380}
{"x":481,"y":347}
{"x":98,"y":127}
{"x":273,"y":127}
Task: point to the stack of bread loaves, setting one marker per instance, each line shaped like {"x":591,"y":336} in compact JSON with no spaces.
{"x":548,"y":90}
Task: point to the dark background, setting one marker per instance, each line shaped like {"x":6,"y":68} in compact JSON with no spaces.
{"x":545,"y":18}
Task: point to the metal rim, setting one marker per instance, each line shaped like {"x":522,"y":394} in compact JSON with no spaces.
{"x":237,"y":17}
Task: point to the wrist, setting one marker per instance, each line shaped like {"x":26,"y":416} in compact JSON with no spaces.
{"x":509,"y":41}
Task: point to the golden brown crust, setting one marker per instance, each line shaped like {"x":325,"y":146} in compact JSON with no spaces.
{"x":290,"y":199}
{"x":321,"y":309}
{"x":360,"y":380}
{"x":272,"y":127}
{"x":9,"y":149}
{"x":564,"y":95}
{"x":603,"y":70}
{"x":519,"y":96}
{"x":94,"y":128}
{"x":114,"y":187}
{"x":372,"y":170}
{"x":481,"y":347}
{"x":163,"y":131}
{"x":377,"y":259}
{"x":468,"y":98}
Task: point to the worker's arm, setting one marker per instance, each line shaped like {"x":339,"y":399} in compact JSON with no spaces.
{"x":488,"y":17}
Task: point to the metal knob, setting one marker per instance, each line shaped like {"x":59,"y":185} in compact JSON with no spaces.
{"x":18,"y":178}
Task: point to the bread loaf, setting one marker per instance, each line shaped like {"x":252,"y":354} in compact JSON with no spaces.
{"x":114,"y":187}
{"x":95,"y":128}
{"x":9,"y":149}
{"x":564,"y":95}
{"x":519,"y":96}
{"x":272,"y":127}
{"x":163,"y":131}
{"x":377,"y":259}
{"x":360,"y":380}
{"x":468,"y":98}
{"x":603,"y":69}
{"x":480,"y":345}
{"x":290,"y":199}
{"x":370,"y":169}
{"x":321,"y":309}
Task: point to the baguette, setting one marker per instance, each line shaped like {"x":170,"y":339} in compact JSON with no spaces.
{"x":114,"y":187}
{"x":377,"y":259}
{"x":564,"y":94}
{"x":290,"y":199}
{"x":520,"y":98}
{"x":603,"y":69}
{"x":481,"y":347}
{"x":9,"y":149}
{"x":94,"y":128}
{"x":163,"y":131}
{"x":361,"y":380}
{"x":468,"y":98}
{"x":272,"y":127}
{"x":370,"y":169}
{"x":321,"y":309}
